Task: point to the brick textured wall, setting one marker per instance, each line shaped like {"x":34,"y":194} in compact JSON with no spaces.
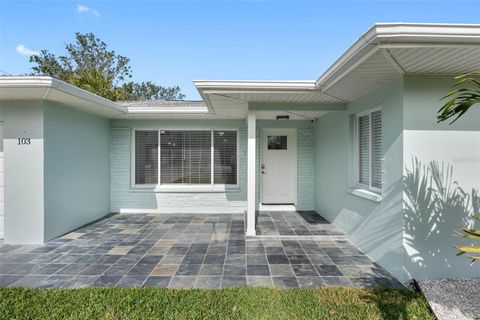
{"x":305,"y":169}
{"x":124,"y":197}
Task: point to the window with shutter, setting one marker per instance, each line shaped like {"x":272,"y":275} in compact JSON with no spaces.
{"x":185,"y":157}
{"x":225,"y":157}
{"x":369,"y":150}
{"x":146,"y":157}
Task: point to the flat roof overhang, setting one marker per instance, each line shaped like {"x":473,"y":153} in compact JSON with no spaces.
{"x":386,"y":51}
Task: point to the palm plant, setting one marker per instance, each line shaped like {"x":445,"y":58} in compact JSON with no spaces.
{"x":466,"y":93}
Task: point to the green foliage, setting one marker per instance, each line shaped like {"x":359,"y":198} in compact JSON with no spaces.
{"x":466,"y":93}
{"x":150,"y":91}
{"x":89,"y":65}
{"x":460,"y":100}
{"x":234,"y":303}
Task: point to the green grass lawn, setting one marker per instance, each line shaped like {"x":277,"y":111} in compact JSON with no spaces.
{"x":235,"y":303}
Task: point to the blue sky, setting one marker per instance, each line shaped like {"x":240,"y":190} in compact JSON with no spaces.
{"x":176,"y":42}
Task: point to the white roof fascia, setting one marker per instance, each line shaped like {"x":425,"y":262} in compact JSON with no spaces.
{"x":384,"y":35}
{"x":255,"y":84}
{"x":166,"y":110}
{"x":50,"y":84}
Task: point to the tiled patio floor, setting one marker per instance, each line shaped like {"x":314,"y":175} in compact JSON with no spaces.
{"x":201,"y":251}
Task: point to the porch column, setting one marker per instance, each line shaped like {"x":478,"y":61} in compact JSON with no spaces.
{"x":251,"y":157}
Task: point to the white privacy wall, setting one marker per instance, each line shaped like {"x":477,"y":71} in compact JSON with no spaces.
{"x":428,"y":234}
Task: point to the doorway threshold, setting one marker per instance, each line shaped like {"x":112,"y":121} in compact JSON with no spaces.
{"x":276,"y":207}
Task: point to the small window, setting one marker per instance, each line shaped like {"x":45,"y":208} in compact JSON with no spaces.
{"x":146,"y":157}
{"x":369,"y":150}
{"x":277,"y":142}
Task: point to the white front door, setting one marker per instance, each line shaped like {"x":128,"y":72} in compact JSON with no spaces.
{"x":2,"y":223}
{"x":278,"y":166}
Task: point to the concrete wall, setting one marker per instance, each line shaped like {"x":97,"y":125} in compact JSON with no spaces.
{"x":375,"y":227}
{"x":126,"y":198}
{"x":429,"y":225}
{"x":77,"y":168}
{"x":23,"y":167}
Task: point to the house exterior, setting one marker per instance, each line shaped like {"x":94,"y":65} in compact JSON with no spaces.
{"x":341,"y":145}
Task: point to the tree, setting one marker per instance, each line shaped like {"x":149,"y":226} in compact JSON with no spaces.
{"x":150,"y":91}
{"x":460,"y":100}
{"x":89,"y":65}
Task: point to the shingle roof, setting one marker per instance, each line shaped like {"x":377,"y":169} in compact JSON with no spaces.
{"x":164,"y":103}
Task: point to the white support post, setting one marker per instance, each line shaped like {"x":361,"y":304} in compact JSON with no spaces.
{"x":251,"y":171}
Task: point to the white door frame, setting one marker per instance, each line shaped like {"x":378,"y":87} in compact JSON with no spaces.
{"x":293,"y":133}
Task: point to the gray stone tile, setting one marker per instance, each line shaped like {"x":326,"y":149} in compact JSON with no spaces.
{"x":211,"y":270}
{"x":118,"y":270}
{"x":255,"y":259}
{"x":310,"y":282}
{"x":29,"y":281}
{"x":235,"y":259}
{"x":214,"y":259}
{"x":260,"y":281}
{"x":233,"y":270}
{"x":131,"y":281}
{"x":329,"y":270}
{"x":258,"y":270}
{"x":285,"y":282}
{"x":208,"y":282}
{"x":141,"y":270}
{"x":233,"y":281}
{"x":181,"y":282}
{"x":281,"y":270}
{"x":304,"y":270}
{"x":277,"y":259}
{"x":48,"y":269}
{"x":150,"y":259}
{"x":188,"y":270}
{"x":193,"y":259}
{"x":93,"y":270}
{"x":336,"y":281}
{"x":56,"y":282}
{"x":72,"y":269}
{"x":6,"y":280}
{"x":106,"y":281}
{"x":155,"y":281}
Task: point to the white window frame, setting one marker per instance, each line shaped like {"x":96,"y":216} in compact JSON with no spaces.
{"x":173,"y":187}
{"x":359,"y":185}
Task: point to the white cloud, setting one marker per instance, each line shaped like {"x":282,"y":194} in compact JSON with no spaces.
{"x":84,"y":9}
{"x":24,"y":51}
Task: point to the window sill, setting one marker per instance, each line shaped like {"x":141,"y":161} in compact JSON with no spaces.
{"x":188,"y":189}
{"x":366,"y":194}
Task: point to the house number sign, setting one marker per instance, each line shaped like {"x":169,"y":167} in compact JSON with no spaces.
{"x":23,"y":141}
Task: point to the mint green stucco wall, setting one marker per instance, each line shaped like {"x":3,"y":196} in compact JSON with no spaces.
{"x":126,"y":198}
{"x":428,"y":234}
{"x":58,"y":182}
{"x":375,"y":227}
{"x":77,"y":168}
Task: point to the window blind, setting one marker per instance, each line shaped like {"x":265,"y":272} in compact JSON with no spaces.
{"x":225,"y":157}
{"x":364,"y":150}
{"x":376,"y":120}
{"x":185,"y":157}
{"x":146,"y":157}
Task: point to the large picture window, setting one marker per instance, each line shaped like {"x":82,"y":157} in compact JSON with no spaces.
{"x":185,"y":157}
{"x":369,"y":150}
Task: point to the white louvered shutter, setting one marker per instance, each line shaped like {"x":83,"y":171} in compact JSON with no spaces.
{"x":185,"y":157}
{"x":376,"y":125}
{"x":146,"y":157}
{"x":225,"y":156}
{"x":364,"y":150}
